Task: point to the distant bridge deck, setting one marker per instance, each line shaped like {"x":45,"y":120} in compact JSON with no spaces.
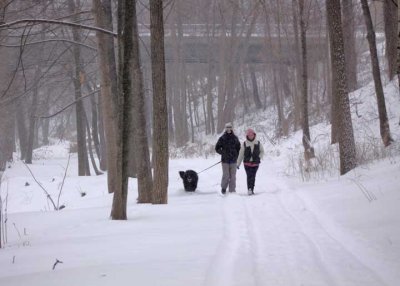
{"x":256,"y":50}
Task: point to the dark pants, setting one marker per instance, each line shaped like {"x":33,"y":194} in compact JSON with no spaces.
{"x":251,"y":176}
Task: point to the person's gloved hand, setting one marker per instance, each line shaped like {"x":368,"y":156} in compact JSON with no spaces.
{"x":237,"y":167}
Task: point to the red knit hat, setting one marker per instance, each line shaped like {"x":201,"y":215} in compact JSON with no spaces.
{"x":250,"y":132}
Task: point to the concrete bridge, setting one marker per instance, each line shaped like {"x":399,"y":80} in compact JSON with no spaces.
{"x":196,"y":47}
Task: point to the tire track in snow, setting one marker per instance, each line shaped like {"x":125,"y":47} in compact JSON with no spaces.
{"x":283,"y":258}
{"x":234,"y":262}
{"x":347,"y":268}
{"x":266,"y":243}
{"x":252,"y":254}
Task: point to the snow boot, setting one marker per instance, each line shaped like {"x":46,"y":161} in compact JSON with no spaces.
{"x":223,"y":191}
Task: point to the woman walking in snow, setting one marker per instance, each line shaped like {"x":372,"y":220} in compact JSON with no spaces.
{"x":251,"y":152}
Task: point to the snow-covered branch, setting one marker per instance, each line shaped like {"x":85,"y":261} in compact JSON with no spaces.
{"x":50,"y":40}
{"x":48,"y":21}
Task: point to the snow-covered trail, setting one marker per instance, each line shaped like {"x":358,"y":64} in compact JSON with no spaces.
{"x":273,"y":239}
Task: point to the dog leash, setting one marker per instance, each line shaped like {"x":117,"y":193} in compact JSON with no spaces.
{"x":208,"y":168}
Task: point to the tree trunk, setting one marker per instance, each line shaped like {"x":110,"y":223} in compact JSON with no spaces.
{"x":171,"y":132}
{"x":109,"y":93}
{"x":7,"y":126}
{"x":7,"y":111}
{"x":160,"y":114}
{"x":231,"y":67}
{"x":221,"y":83}
{"x":144,"y":176}
{"x":89,"y":147}
{"x":189,"y":97}
{"x":45,"y":131}
{"x":308,"y":149}
{"x":334,"y":119}
{"x":244,"y":94}
{"x":103,"y":144}
{"x":126,"y":12}
{"x":256,"y":95}
{"x":210,"y":113}
{"x":276,"y":89}
{"x":178,"y":82}
{"x":391,"y":19}
{"x":204,"y":106}
{"x":280,"y":80}
{"x":210,"y":125}
{"x":227,"y":72}
{"x":383,"y":119}
{"x":21,"y":127}
{"x":132,"y":164}
{"x":32,"y":124}
{"x":83,"y":161}
{"x":347,"y":149}
{"x":297,"y":51}
{"x":350,"y":44}
{"x":95,"y":129}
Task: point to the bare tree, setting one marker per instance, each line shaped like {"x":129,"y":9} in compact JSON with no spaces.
{"x":210,"y":123}
{"x":391,"y":19}
{"x":131,"y":109}
{"x":297,"y":52}
{"x":83,"y":161}
{"x":109,"y":91}
{"x":178,"y":78}
{"x":126,"y":12}
{"x":144,"y":176}
{"x":350,"y":43}
{"x":383,"y":119}
{"x":21,"y":128}
{"x":347,"y":148}
{"x":7,"y":111}
{"x":160,"y":112}
{"x":308,"y":149}
{"x":228,"y":73}
{"x":274,"y":67}
{"x":256,"y":94}
{"x":32,"y":120}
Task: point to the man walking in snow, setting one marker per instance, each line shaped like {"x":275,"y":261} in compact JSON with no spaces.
{"x":228,"y":146}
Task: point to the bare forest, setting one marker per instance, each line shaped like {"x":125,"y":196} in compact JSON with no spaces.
{"x":131,"y":84}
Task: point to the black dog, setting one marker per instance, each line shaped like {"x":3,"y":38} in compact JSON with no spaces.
{"x":190,"y":180}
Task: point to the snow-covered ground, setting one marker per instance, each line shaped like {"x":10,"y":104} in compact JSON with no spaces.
{"x":339,"y":232}
{"x":342,"y":231}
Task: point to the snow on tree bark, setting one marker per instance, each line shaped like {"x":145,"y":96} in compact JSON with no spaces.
{"x":308,"y":149}
{"x":350,"y":43}
{"x":347,"y":150}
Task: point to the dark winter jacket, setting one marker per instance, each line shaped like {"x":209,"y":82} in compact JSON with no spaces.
{"x":228,"y":146}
